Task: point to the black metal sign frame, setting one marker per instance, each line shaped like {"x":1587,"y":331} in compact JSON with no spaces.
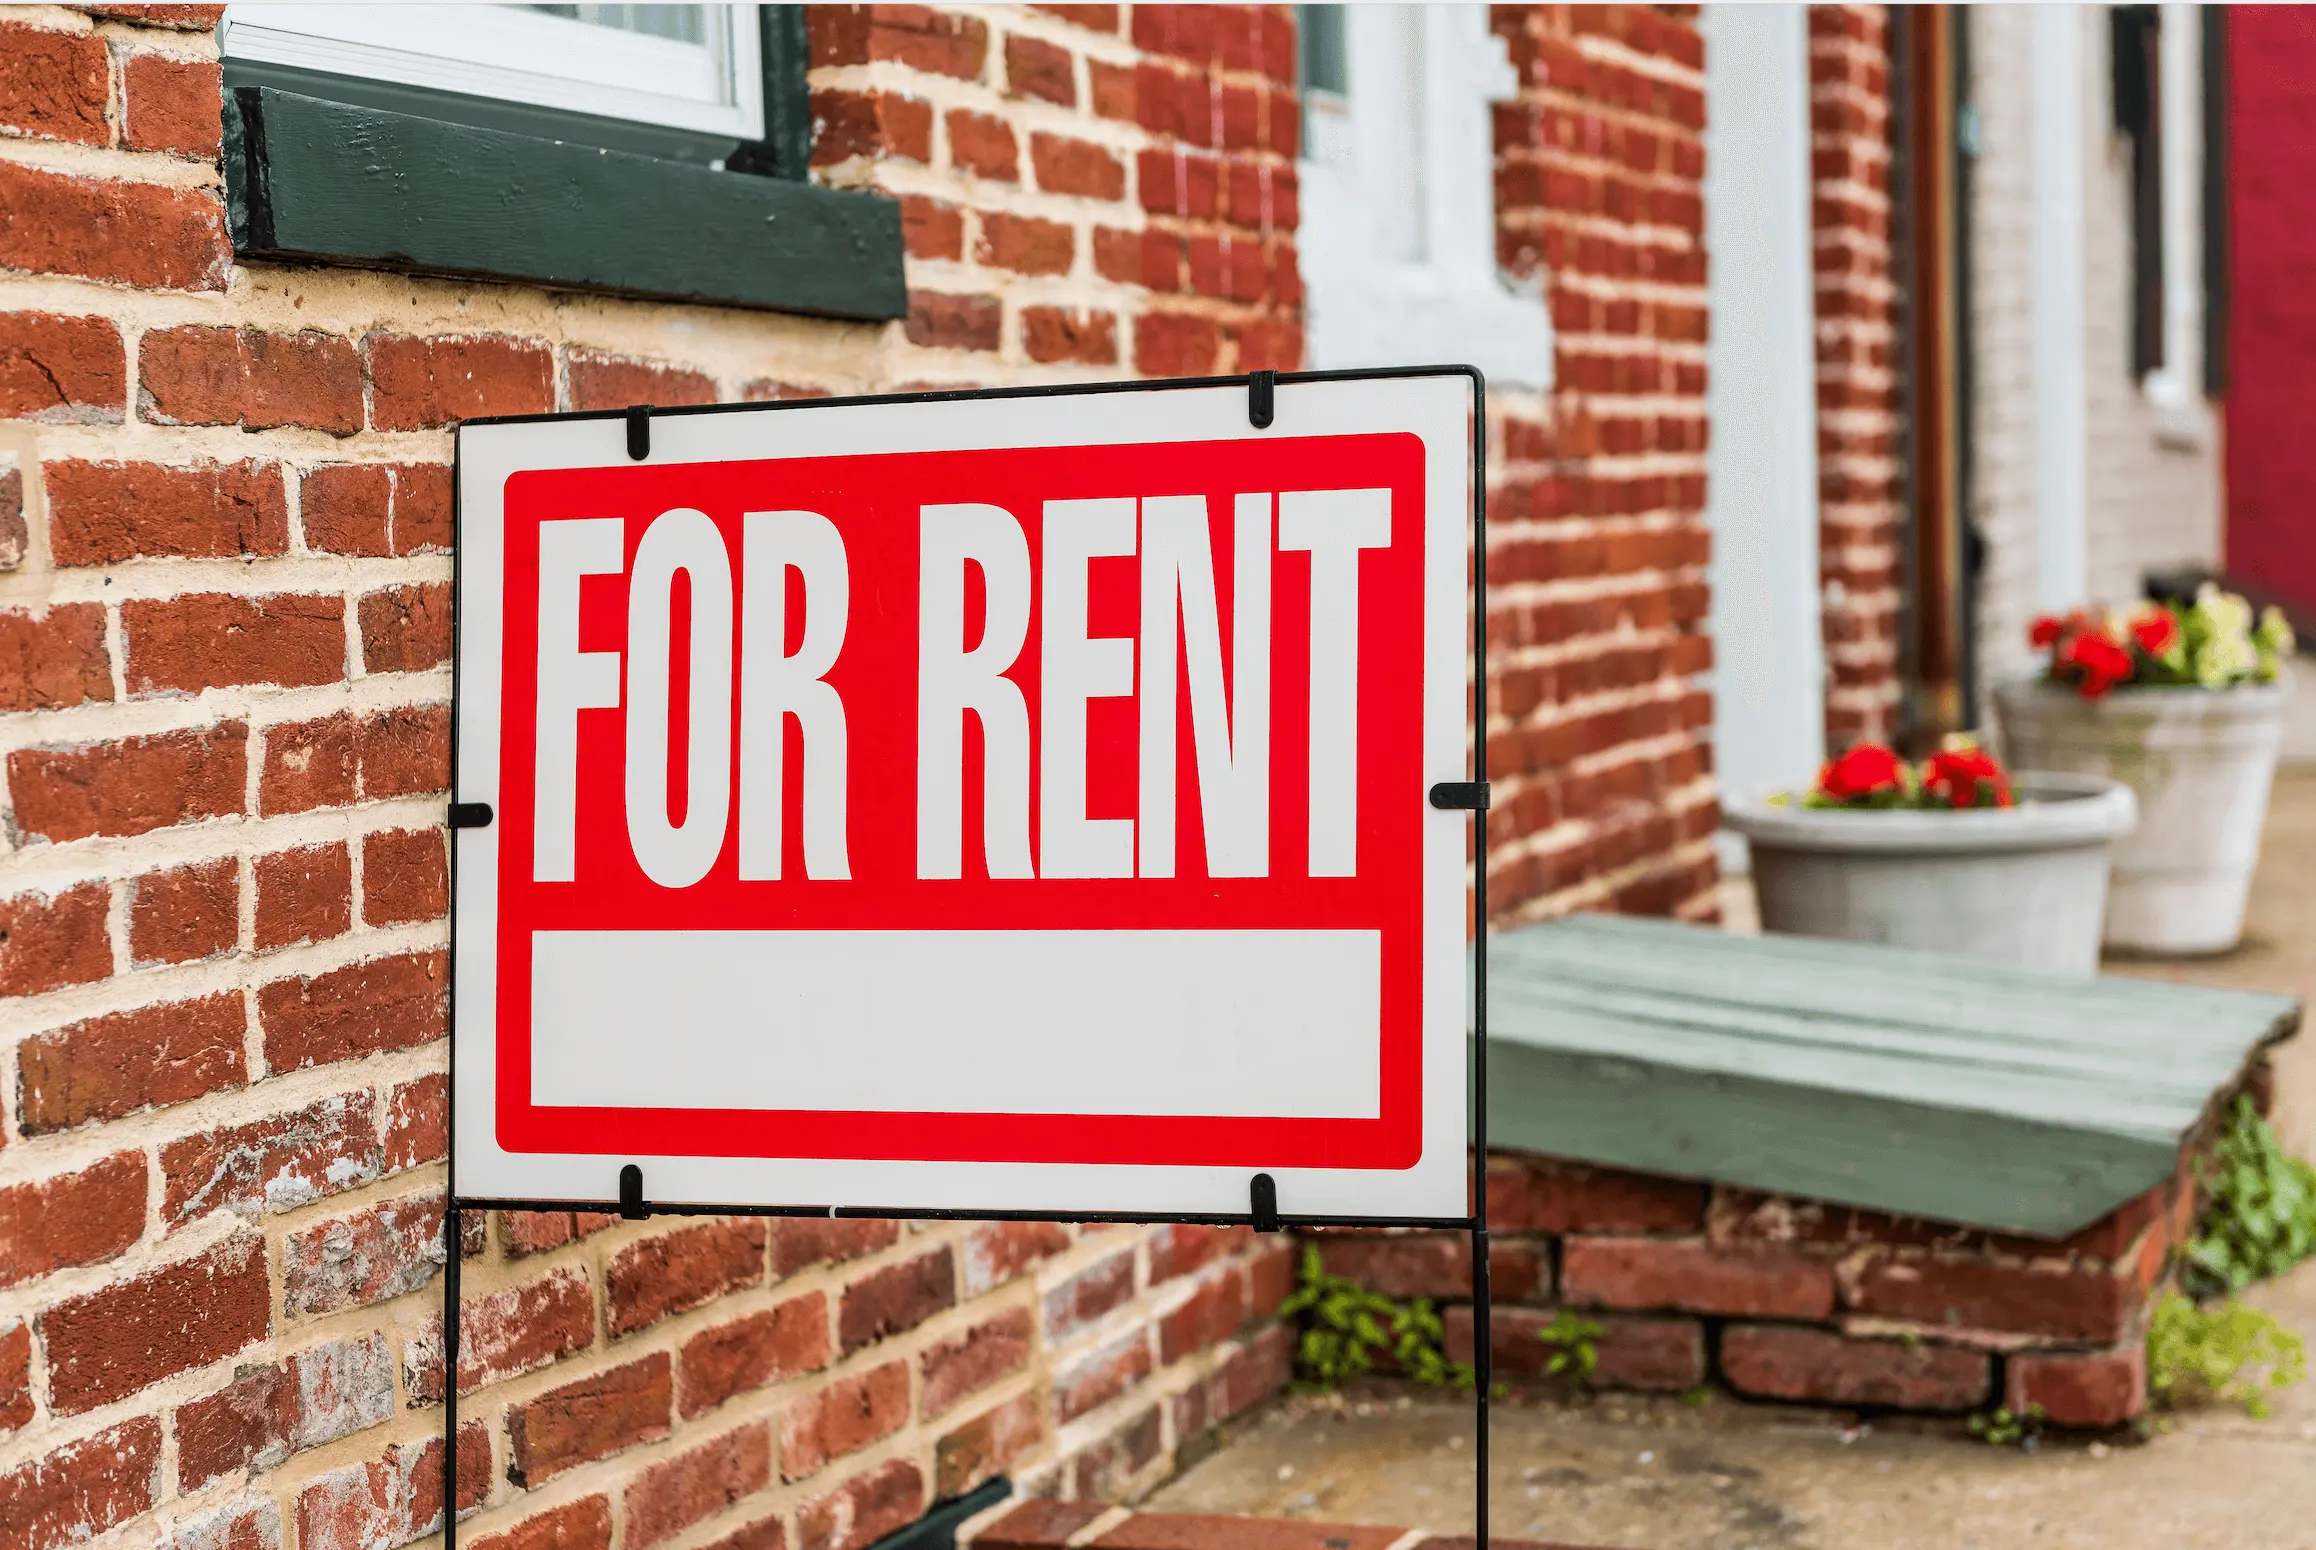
{"x":1263,"y":1214}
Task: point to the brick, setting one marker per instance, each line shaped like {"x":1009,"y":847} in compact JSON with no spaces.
{"x":49,"y":941}
{"x":1063,"y":165}
{"x":111,"y":1343}
{"x":241,"y":1525}
{"x":309,"y":764}
{"x":996,"y":1252}
{"x":406,"y":629}
{"x":800,"y":1242}
{"x":139,"y":234}
{"x":1025,"y":244}
{"x":930,"y":228}
{"x":404,"y":753}
{"x":171,"y":105}
{"x":1040,"y":70}
{"x":983,"y":1446}
{"x":342,"y":1387}
{"x":646,"y":1282}
{"x":614,"y":382}
{"x":1402,"y":1265}
{"x":405,"y":876}
{"x":243,"y":1428}
{"x":1212,"y":1314}
{"x":863,"y":1510}
{"x":214,"y":640}
{"x":1185,"y":1248}
{"x":581,"y":1525}
{"x":182,"y":18}
{"x":186,"y":913}
{"x":1095,"y":1380}
{"x":982,"y":145}
{"x":303,"y":895}
{"x":2045,"y":1299}
{"x":61,"y":370}
{"x":369,"y":1256}
{"x":1828,"y":1368}
{"x":394,"y":1500}
{"x":15,"y":1376}
{"x":1039,"y":1524}
{"x":1250,"y":1374}
{"x":54,"y":85}
{"x":423,"y":515}
{"x":695,"y":1485}
{"x":107,"y":1067}
{"x":1176,"y":344}
{"x":128,"y":787}
{"x":381,"y":1004}
{"x":275,"y":1164}
{"x":419,"y":384}
{"x":843,"y":1416}
{"x":418,"y":1123}
{"x":593,"y":1418}
{"x":894,"y":1298}
{"x":524,"y":1233}
{"x":1183,"y":1531}
{"x":1537,"y":1195}
{"x":764,"y":1534}
{"x":964,"y":1363}
{"x":80,"y":1218}
{"x":248,"y":377}
{"x":103,"y":513}
{"x":879,"y":125}
{"x":507,"y":1333}
{"x":347,"y":508}
{"x":15,"y":537}
{"x":1694,"y":1277}
{"x":1089,"y":1296}
{"x":748,"y":1353}
{"x":82,"y":1489}
{"x":941,"y":321}
{"x":2098,"y":1388}
{"x":1653,"y":1354}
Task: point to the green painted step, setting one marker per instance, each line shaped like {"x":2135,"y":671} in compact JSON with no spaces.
{"x":1872,"y":1076}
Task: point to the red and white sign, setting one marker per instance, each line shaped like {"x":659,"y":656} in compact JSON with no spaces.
{"x":1002,"y":804}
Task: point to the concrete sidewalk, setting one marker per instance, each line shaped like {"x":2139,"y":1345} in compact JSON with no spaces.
{"x":1650,"y":1474}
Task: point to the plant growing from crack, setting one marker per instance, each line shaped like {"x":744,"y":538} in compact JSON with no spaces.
{"x":2259,"y":1219}
{"x":1345,"y":1326}
{"x":2225,"y":1354}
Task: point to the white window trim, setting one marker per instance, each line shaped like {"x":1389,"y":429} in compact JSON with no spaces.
{"x":716,"y":87}
{"x":1448,"y":302}
{"x":2182,"y":418}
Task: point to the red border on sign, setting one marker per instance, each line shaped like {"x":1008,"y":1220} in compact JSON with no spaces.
{"x":874,"y":499}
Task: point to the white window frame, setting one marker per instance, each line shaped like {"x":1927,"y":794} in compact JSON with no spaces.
{"x":716,"y":87}
{"x":1399,"y":259}
{"x":2183,"y":419}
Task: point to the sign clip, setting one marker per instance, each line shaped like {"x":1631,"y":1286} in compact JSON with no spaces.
{"x":1470,"y":796}
{"x":638,"y":431}
{"x":1261,"y":398}
{"x":471,"y":815}
{"x":631,"y":1206}
{"x":1263,"y":1201}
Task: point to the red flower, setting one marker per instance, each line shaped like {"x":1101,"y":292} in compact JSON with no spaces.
{"x":2098,"y":664}
{"x":1867,"y":770}
{"x":2155,"y":630}
{"x":2045,"y":630}
{"x":1966,"y":775}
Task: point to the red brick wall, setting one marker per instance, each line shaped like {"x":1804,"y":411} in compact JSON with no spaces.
{"x":224,"y":710}
{"x":1860,"y":513}
{"x":1599,"y":739}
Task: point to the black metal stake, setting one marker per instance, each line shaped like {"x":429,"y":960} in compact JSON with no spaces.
{"x":1483,"y":1355}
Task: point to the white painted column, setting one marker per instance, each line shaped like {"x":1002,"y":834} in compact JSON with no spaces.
{"x":2062,"y":524}
{"x":1761,"y":471}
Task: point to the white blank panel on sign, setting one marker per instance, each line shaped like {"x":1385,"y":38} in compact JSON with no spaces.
{"x":1280,"y":1023}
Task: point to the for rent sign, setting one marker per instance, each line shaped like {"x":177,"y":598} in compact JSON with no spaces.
{"x":1002,"y":803}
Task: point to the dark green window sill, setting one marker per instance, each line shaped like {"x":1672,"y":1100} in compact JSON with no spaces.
{"x":315,"y":181}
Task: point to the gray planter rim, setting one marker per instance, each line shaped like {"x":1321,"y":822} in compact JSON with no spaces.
{"x":2237,"y":701}
{"x":2055,"y":812}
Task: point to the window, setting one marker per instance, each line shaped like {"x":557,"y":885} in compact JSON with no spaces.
{"x":696,"y":67}
{"x":1398,"y":238}
{"x":656,"y":150}
{"x":2158,"y":70}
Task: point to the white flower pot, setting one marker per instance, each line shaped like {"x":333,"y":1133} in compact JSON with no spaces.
{"x":2021,"y":885}
{"x":2200,"y":762}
